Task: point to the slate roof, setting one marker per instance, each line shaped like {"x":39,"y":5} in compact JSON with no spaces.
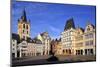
{"x":69,"y":24}
{"x":23,"y":17}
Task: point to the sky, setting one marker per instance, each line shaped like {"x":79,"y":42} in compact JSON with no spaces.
{"x":51,"y":17}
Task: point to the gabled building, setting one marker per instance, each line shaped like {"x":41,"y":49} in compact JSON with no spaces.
{"x":85,"y":40}
{"x":46,"y":40}
{"x":79,"y":42}
{"x":89,"y":39}
{"x":68,"y":37}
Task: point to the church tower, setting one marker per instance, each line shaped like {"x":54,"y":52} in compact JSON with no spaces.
{"x":23,"y":27}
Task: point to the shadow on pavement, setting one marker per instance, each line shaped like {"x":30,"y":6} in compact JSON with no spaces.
{"x":53,"y":58}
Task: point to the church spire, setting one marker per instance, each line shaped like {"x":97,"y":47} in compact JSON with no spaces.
{"x":88,"y":22}
{"x":23,"y":17}
{"x":69,"y":24}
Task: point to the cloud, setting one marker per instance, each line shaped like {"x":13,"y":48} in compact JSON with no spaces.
{"x":55,"y":32}
{"x":54,"y":37}
{"x":54,"y":29}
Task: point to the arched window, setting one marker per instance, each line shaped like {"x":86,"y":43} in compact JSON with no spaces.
{"x":27,"y":27}
{"x":23,"y":25}
{"x":27,"y":32}
{"x":88,"y":29}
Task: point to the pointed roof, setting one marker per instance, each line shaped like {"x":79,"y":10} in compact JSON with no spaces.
{"x":69,"y":24}
{"x":23,"y":17}
{"x":89,"y":23}
{"x":42,"y":34}
{"x":37,"y":41}
{"x":82,"y":29}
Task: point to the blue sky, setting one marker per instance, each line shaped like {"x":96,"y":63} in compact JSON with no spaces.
{"x":51,"y":17}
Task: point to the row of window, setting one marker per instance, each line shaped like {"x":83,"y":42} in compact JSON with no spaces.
{"x":67,"y":34}
{"x":79,"y":38}
{"x":25,"y":26}
{"x":79,"y":44}
{"x":30,"y":54}
{"x":87,"y":52}
{"x":67,"y":51}
{"x":87,"y":36}
{"x":79,"y":52}
{"x":33,"y":54}
{"x":24,"y":31}
{"x":87,"y":43}
{"x":67,"y":46}
{"x":67,"y":39}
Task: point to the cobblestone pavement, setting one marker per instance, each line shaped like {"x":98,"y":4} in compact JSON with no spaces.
{"x":37,"y":60}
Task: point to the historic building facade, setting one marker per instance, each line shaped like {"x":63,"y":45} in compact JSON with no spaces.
{"x":73,"y":41}
{"x":78,"y":41}
{"x":35,"y":49}
{"x":46,"y":40}
{"x":68,"y":38}
{"x":89,"y":38}
{"x":40,"y":45}
{"x":23,"y":27}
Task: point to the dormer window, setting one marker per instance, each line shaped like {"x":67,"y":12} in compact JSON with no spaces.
{"x":88,"y":29}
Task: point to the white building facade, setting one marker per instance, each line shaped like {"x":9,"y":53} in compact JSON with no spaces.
{"x":14,"y":48}
{"x":68,"y":41}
